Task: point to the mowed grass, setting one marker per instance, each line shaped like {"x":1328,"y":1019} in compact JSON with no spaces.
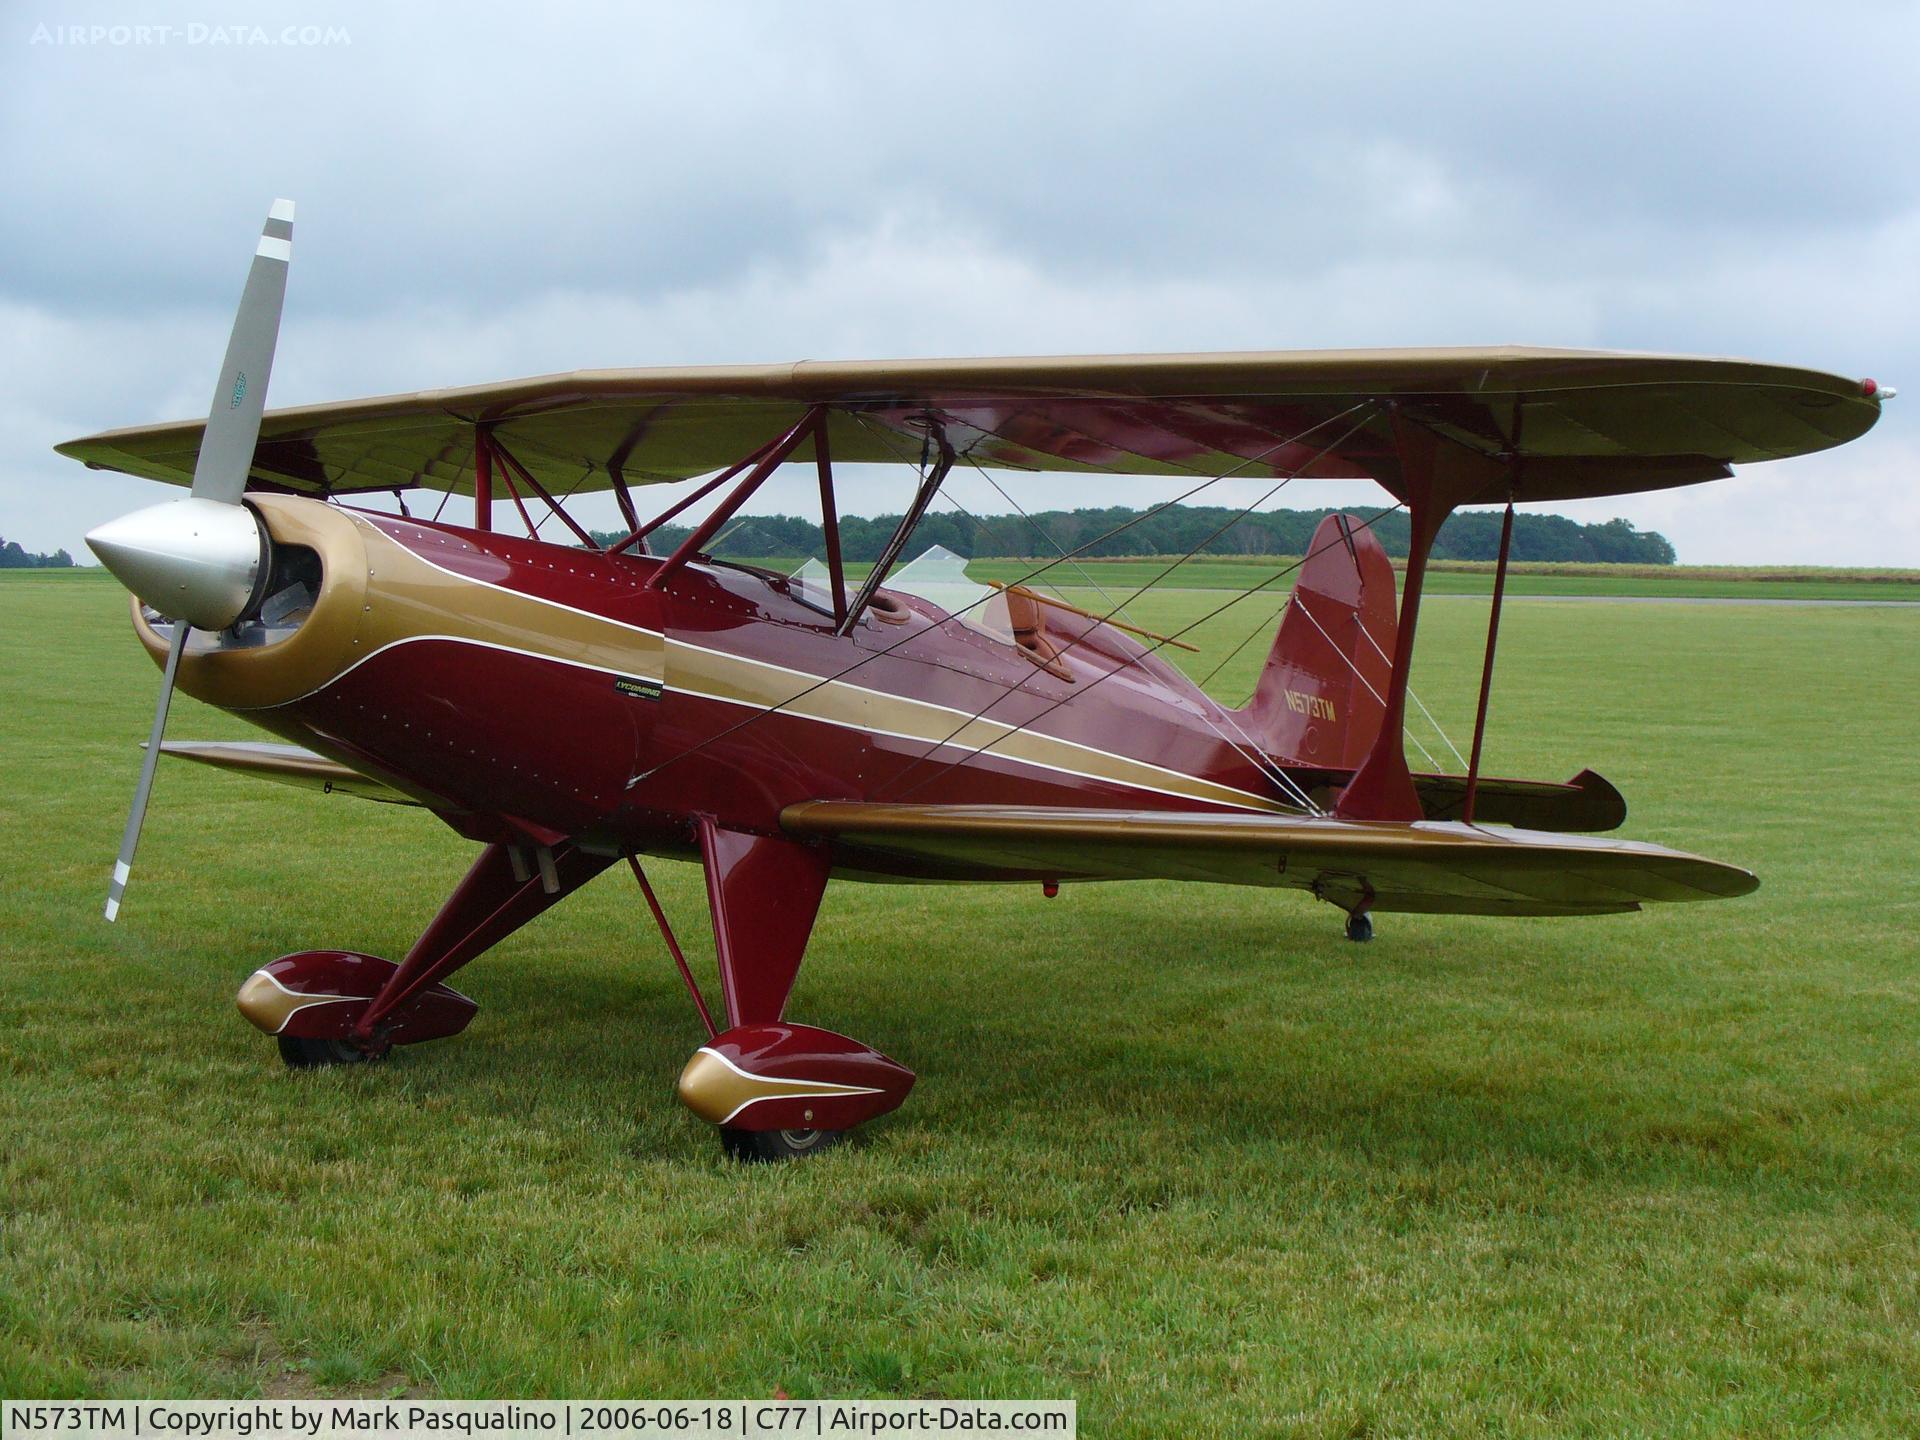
{"x":1180,"y":1152}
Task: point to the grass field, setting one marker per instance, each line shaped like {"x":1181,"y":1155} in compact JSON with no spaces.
{"x":1180,"y":1152}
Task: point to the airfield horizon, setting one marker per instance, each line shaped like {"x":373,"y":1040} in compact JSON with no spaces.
{"x":1526,"y":579}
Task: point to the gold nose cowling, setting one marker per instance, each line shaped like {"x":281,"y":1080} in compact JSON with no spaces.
{"x":253,"y":677}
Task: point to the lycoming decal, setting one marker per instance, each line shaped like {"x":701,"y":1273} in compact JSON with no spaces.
{"x":639,"y":689}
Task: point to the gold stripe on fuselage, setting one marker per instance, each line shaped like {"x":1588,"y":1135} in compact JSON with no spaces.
{"x":721,"y":676}
{"x":499,"y":616}
{"x":403,"y":596}
{"x":410,"y":597}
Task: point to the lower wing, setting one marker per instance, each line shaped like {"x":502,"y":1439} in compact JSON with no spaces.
{"x":288,"y":764}
{"x":1437,"y":866}
{"x":1442,"y":867}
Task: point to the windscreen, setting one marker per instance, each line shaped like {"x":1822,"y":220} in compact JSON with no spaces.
{"x":939,"y":577}
{"x":813,"y":583}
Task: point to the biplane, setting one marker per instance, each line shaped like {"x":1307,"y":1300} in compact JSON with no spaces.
{"x":570,"y":707}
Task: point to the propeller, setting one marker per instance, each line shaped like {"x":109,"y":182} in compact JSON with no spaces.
{"x":203,"y":560}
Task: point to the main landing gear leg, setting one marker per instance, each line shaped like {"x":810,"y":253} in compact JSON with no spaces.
{"x":764,"y":893}
{"x":329,"y":1007}
{"x":776,"y":1090}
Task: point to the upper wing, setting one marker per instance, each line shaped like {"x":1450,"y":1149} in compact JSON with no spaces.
{"x":289,"y":764}
{"x":1587,"y":422}
{"x":1443,"y":867}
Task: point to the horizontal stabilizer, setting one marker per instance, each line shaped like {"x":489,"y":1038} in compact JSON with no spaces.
{"x":1440,"y":867}
{"x":289,"y":765}
{"x":1583,"y":805}
{"x":1586,"y":804}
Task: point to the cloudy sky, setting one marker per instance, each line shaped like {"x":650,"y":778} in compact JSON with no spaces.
{"x":491,"y":191}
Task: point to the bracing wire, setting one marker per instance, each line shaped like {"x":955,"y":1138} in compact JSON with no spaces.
{"x":1250,"y":752}
{"x":1266,"y":625}
{"x":1405,"y":729}
{"x":1020,"y":685}
{"x":554,"y":507}
{"x":1263,"y":627}
{"x":1423,"y":709}
{"x":1184,"y":630}
{"x":1045,"y":535}
{"x":1034,"y":574}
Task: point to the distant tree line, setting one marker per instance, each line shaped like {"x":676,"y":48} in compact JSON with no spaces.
{"x":1468,"y":535}
{"x":12,"y":557}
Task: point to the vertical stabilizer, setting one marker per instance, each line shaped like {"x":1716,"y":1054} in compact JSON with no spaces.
{"x":1319,"y":700}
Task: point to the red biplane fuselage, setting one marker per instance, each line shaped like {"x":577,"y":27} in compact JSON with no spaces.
{"x":526,"y":689}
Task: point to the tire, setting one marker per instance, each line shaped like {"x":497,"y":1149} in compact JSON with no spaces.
{"x":1360,"y":927}
{"x":304,"y":1054}
{"x":760,"y":1146}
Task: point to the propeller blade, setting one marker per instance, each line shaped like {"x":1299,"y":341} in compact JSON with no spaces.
{"x":233,"y":424}
{"x":192,"y":558}
{"x":130,"y":838}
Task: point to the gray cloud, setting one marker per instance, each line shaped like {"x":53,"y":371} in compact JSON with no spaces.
{"x":486,"y":192}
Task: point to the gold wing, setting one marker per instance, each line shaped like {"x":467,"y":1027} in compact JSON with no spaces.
{"x":288,"y":764}
{"x":1586,"y":422}
{"x":1436,"y":866}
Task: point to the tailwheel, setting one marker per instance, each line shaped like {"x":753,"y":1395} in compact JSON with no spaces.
{"x":1360,"y":927}
{"x":757,"y":1146}
{"x":302,"y":1053}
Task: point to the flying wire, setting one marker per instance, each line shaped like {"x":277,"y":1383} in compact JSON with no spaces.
{"x":554,"y":507}
{"x":1423,"y":709}
{"x":1265,"y":625}
{"x":1034,"y":574}
{"x":1047,"y":536}
{"x":1352,"y":665}
{"x":1184,"y":630}
{"x":1250,"y":752}
{"x":1021,"y":685}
